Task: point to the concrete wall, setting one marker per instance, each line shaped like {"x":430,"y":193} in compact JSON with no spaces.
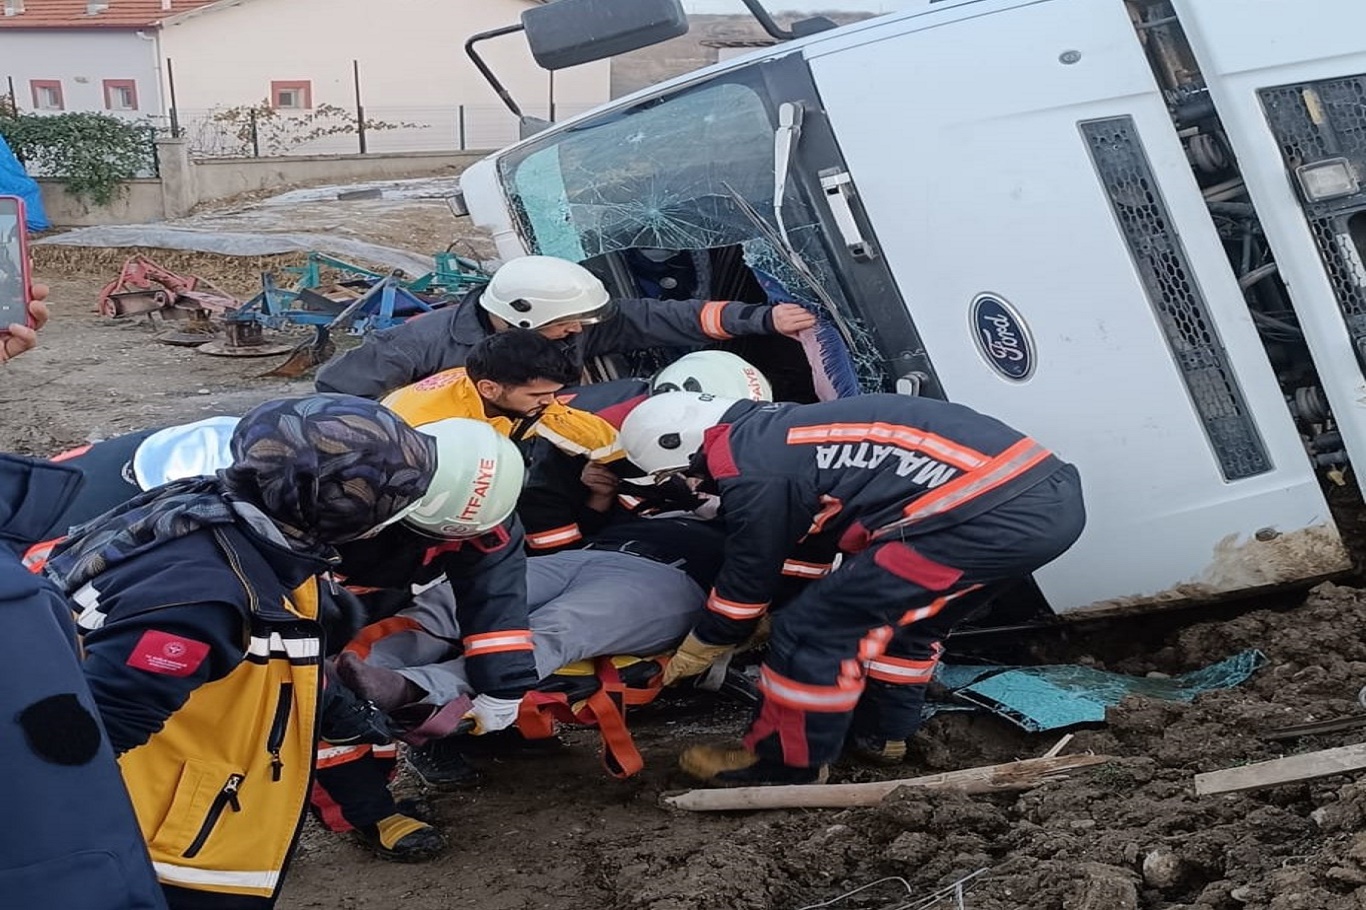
{"x":185,"y":183}
{"x":81,"y":59}
{"x":412,"y":65}
{"x":142,"y":203}
{"x":218,"y":178}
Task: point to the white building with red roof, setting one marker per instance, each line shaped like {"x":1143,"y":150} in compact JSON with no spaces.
{"x":128,"y":57}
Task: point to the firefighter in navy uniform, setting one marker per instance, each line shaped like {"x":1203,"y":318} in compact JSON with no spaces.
{"x":463,"y":533}
{"x":933,"y":505}
{"x":567,"y":501}
{"x":559,"y":299}
{"x":198,"y":606}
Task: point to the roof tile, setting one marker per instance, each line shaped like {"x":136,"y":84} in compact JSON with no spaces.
{"x":75,"y":14}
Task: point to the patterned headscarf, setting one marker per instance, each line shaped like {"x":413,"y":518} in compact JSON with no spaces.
{"x":324,"y":469}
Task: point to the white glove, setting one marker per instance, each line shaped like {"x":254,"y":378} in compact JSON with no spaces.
{"x":493,"y":714}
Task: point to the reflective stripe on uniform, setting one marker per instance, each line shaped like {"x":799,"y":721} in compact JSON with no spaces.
{"x":902,"y":437}
{"x":900,"y":670}
{"x":711,"y":320}
{"x":734,"y":609}
{"x":264,"y":880}
{"x":806,"y":697}
{"x":293,"y":648}
{"x":799,"y":569}
{"x":874,"y":643}
{"x":555,"y":537}
{"x":1010,"y":464}
{"x":610,"y":451}
{"x":934,"y":607}
{"x":830,"y":507}
{"x":88,"y":599}
{"x":331,"y":756}
{"x":366,"y":638}
{"x":36,"y":556}
{"x":496,"y":642}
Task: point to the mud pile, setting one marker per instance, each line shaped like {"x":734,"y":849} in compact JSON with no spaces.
{"x":1131,"y":834}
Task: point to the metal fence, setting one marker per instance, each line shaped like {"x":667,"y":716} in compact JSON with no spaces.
{"x":255,"y":132}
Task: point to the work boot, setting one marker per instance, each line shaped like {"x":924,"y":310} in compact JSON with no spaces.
{"x":388,"y":689}
{"x":441,"y":765}
{"x":510,"y":743}
{"x":402,"y":839}
{"x":736,"y":766}
{"x":875,"y":751}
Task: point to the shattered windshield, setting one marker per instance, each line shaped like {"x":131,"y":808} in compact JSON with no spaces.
{"x":660,"y":175}
{"x":649,"y":176}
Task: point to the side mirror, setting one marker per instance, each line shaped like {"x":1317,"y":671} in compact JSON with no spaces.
{"x":569,"y":32}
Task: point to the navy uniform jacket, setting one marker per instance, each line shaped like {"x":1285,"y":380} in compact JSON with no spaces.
{"x":852,"y":471}
{"x":487,"y":575}
{"x":72,"y":840}
{"x":424,"y":346}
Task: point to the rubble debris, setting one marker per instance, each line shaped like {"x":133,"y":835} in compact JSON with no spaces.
{"x":1039,"y":699}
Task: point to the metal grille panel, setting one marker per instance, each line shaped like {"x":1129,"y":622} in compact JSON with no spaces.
{"x":1175,"y":296}
{"x":1313,"y":121}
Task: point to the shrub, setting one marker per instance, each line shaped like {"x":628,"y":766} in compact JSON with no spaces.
{"x":93,"y":155}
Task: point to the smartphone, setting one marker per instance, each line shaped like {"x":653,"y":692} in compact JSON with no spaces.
{"x":15,"y":281}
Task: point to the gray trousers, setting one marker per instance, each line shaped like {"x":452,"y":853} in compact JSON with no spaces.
{"x":584,"y":603}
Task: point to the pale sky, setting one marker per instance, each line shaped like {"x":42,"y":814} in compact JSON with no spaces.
{"x":805,"y":6}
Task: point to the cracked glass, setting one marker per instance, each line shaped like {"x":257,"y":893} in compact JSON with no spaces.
{"x":663,"y":174}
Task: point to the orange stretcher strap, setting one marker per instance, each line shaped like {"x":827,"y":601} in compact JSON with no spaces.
{"x":604,"y":709}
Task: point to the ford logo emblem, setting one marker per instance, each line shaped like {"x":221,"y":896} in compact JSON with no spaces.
{"x":1002,"y":337}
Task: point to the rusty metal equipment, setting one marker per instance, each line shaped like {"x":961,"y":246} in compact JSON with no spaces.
{"x":242,"y":338}
{"x":144,"y":287}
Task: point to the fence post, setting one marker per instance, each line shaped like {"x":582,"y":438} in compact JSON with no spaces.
{"x":461,"y":121}
{"x":175,"y":108}
{"x":360,"y":109}
{"x":255,"y":137}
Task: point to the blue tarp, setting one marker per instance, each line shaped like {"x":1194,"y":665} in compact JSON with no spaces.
{"x":15,"y":181}
{"x":1053,"y":697}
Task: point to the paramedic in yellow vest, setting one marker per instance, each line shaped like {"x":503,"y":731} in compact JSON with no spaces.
{"x":198,"y":606}
{"x":510,"y":380}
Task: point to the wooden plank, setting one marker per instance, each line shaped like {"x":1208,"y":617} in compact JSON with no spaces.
{"x":1288,"y":770}
{"x":1333,"y":725}
{"x":1018,"y":775}
{"x":1059,"y":746}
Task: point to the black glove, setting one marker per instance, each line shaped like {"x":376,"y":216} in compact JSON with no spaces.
{"x":346,"y":719}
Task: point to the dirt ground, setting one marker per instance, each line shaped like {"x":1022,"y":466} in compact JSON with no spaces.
{"x":556,"y":832}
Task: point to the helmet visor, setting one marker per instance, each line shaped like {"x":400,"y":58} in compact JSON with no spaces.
{"x":591,"y":317}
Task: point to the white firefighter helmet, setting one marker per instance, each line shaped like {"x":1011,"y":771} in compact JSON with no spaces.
{"x":534,"y":291}
{"x":719,"y":373}
{"x":479,"y":474}
{"x":663,"y":432}
{"x":189,"y":450}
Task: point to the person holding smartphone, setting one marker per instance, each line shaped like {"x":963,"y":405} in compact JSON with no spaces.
{"x":18,"y":337}
{"x":22,"y":311}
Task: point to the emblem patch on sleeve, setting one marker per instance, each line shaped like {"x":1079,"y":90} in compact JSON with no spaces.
{"x":170,"y":655}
